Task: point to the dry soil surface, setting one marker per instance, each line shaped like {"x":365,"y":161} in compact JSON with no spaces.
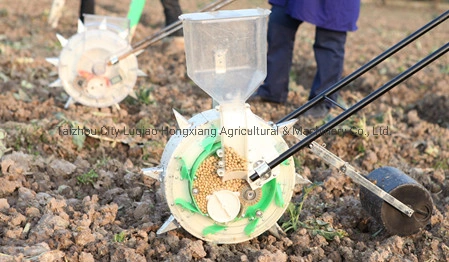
{"x":84,"y":198}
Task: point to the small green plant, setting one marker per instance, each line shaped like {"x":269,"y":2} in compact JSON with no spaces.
{"x":88,"y":177}
{"x":380,"y":118}
{"x":78,"y":137}
{"x":322,"y":228}
{"x":102,"y":162}
{"x":145,"y":96}
{"x":361,"y":148}
{"x":357,"y":126}
{"x":294,"y":210}
{"x":299,"y":163}
{"x":317,"y":226}
{"x":442,"y":164}
{"x":120,"y":237}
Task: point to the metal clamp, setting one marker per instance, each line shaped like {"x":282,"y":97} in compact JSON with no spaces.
{"x":263,"y":171}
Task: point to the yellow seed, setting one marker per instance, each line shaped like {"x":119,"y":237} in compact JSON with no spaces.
{"x":207,"y":180}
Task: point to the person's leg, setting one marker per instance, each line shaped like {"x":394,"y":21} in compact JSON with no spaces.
{"x":172,"y":10}
{"x":281,"y":37}
{"x":329,"y":48}
{"x":87,"y":7}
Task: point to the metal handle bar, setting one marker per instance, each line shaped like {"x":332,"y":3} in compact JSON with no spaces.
{"x":166,"y":31}
{"x":389,"y":52}
{"x":356,"y":107}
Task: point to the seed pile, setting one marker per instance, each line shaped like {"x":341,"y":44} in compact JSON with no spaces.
{"x":207,"y":181}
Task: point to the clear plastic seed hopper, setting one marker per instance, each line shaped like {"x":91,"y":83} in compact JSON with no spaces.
{"x":205,"y":175}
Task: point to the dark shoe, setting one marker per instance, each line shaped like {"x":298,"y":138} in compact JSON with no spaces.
{"x":318,"y":111}
{"x":254,"y":98}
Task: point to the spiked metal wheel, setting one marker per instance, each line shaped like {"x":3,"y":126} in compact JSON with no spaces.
{"x":83,"y":69}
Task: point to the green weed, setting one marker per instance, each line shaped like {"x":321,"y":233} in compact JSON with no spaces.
{"x":145,"y":96}
{"x":319,"y":227}
{"x":441,"y":164}
{"x":360,"y":148}
{"x":357,"y":126}
{"x":79,"y":137}
{"x":294,"y":210}
{"x":120,"y":237}
{"x":89,"y":177}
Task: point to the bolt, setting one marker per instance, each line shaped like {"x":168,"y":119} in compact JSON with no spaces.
{"x":259,"y":213}
{"x":220,"y":153}
{"x":250,"y":195}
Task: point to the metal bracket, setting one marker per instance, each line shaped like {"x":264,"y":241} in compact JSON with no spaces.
{"x":350,"y":171}
{"x":262,"y":169}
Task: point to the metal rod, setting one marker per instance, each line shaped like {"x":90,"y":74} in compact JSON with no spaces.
{"x":344,"y":81}
{"x":164,"y":32}
{"x":335,"y":103}
{"x":356,"y":107}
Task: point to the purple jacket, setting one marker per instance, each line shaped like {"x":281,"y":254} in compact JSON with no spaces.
{"x":337,"y":15}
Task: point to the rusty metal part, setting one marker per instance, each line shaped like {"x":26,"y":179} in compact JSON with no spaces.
{"x":405,"y":189}
{"x":248,"y":196}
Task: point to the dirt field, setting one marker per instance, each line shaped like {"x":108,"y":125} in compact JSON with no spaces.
{"x":84,"y":198}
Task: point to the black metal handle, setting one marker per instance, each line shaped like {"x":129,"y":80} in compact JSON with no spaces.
{"x":356,"y":107}
{"x":345,"y":81}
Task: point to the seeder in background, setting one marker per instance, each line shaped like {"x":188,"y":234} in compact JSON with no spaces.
{"x":98,"y":66}
{"x":231,"y":188}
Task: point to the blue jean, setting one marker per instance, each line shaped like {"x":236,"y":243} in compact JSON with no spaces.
{"x":329,"y":50}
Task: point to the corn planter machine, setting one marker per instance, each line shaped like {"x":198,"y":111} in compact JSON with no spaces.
{"x":231,"y":178}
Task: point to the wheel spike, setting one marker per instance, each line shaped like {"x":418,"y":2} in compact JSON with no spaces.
{"x":300,"y":180}
{"x":277,"y":231}
{"x":183,"y":123}
{"x":53,"y":60}
{"x":168,"y":225}
{"x":133,"y":94}
{"x":103,"y":24}
{"x":125,"y":35}
{"x":68,"y":103}
{"x":153,"y":172}
{"x":286,"y":126}
{"x":141,"y":73}
{"x":57,"y":83}
{"x":81,"y":27}
{"x":62,"y":40}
